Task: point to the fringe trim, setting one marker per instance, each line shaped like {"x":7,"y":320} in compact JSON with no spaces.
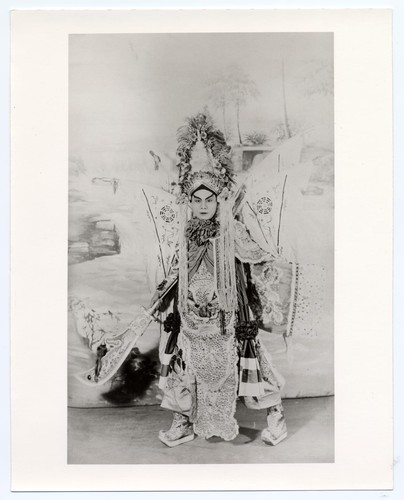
{"x":227,"y":288}
{"x":226,"y":283}
{"x":183,"y":258}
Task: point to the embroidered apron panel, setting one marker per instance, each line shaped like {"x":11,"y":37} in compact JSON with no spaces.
{"x":210,"y":355}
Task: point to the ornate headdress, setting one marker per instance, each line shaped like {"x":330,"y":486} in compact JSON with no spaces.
{"x":203,"y":157}
{"x":204,"y":161}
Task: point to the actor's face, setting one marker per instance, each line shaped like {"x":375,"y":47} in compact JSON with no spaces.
{"x":203,"y":204}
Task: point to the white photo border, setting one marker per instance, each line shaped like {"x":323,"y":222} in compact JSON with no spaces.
{"x":363,"y":193}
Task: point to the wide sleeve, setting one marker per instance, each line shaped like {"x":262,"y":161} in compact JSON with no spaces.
{"x":246,"y":249}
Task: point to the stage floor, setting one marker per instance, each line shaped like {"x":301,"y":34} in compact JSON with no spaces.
{"x":129,"y":436}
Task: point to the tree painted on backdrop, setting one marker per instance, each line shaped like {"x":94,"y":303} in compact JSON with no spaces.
{"x":231,"y":89}
{"x":314,"y":79}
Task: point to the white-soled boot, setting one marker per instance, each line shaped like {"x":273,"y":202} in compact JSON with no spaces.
{"x":181,"y":431}
{"x":276,"y":430}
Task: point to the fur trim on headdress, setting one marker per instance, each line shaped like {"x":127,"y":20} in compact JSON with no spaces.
{"x":201,"y":231}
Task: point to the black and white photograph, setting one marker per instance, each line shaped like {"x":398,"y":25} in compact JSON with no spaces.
{"x":201,"y":251}
{"x":201,"y":248}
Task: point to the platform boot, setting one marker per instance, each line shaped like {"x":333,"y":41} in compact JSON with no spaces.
{"x":276,"y":430}
{"x":181,"y":431}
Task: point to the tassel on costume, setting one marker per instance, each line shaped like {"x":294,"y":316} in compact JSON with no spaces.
{"x":183,"y":256}
{"x":251,"y":382}
{"x":227,"y":287}
{"x":172,"y":324}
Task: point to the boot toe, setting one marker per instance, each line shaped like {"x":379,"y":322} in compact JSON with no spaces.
{"x":271,"y":439}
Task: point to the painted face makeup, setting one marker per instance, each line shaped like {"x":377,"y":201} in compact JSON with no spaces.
{"x":203,"y":204}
